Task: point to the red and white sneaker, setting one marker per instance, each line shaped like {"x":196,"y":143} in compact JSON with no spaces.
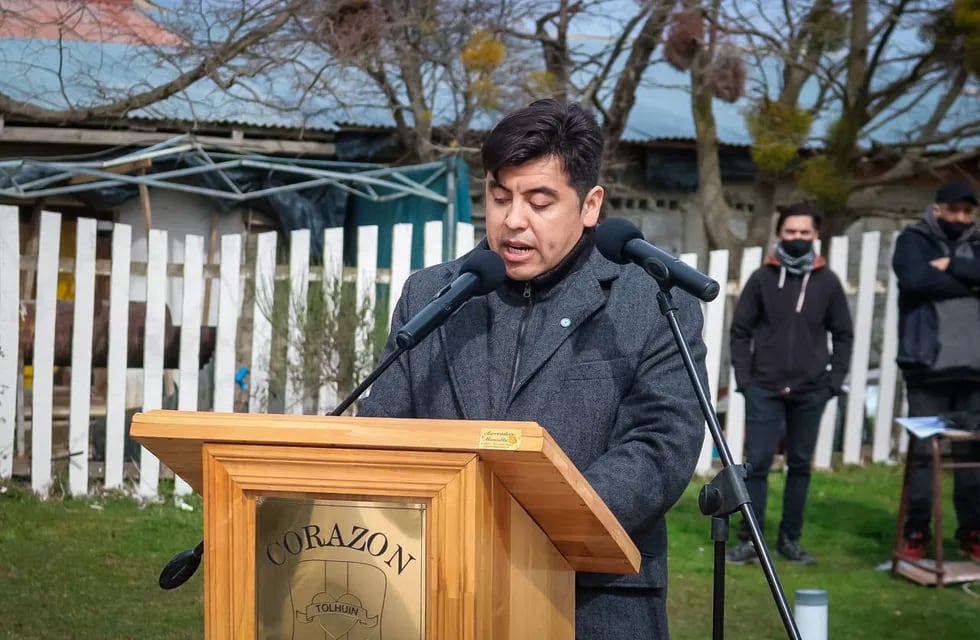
{"x":915,"y":546}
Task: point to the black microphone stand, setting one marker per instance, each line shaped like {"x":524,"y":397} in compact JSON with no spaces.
{"x":726,"y":493}
{"x":183,"y":565}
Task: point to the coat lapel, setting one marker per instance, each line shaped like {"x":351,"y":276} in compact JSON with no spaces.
{"x":579,"y":297}
{"x":464,"y":340}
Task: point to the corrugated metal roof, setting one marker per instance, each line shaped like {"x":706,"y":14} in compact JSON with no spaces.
{"x":92,"y":73}
{"x":663,"y":111}
{"x":79,"y":74}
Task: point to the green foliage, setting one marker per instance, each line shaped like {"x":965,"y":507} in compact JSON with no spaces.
{"x":822,"y":178}
{"x":778,"y":131}
{"x":828,"y":176}
{"x":541,"y":83}
{"x":954,"y":32}
{"x":966,"y":23}
{"x":828,"y":29}
{"x":328,"y":331}
{"x":485,"y":92}
{"x":483,"y":53}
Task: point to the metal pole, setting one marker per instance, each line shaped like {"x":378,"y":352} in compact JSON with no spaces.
{"x":449,"y":233}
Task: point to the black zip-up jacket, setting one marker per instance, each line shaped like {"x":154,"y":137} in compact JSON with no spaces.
{"x":919,"y":283}
{"x":779,"y":333}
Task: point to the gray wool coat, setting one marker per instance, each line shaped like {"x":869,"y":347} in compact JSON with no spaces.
{"x":599,"y":370}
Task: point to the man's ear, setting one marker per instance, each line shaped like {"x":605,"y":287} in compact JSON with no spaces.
{"x":591,"y":206}
{"x":936,"y":210}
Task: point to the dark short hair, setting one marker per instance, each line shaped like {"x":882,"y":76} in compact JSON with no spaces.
{"x":798,"y":209}
{"x":548,"y":128}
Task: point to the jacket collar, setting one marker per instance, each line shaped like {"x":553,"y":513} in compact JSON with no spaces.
{"x":465,"y":335}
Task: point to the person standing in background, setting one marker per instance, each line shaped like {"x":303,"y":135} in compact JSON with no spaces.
{"x":937,"y":262}
{"x":785,"y":371}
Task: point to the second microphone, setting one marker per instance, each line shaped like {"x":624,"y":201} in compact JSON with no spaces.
{"x":620,"y":241}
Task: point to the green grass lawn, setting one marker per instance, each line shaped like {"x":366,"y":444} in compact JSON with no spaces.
{"x":850,"y":527}
{"x":88,"y":569}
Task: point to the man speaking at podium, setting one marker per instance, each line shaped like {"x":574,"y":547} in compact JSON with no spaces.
{"x":571,"y":341}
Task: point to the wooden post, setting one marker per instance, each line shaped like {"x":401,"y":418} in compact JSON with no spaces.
{"x":208,"y":280}
{"x":144,"y":192}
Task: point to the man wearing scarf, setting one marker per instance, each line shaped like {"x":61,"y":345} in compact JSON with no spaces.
{"x":937,"y":261}
{"x":785,"y":371}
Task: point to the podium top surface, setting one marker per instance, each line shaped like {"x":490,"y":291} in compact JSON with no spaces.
{"x":522,"y":455}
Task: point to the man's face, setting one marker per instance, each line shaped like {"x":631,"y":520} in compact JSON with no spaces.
{"x":961,"y":212}
{"x":798,"y":228}
{"x":534,"y":217}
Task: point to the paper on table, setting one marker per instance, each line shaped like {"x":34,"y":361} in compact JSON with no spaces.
{"x":923,"y":427}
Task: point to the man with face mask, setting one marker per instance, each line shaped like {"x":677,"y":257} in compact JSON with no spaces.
{"x":785,"y":371}
{"x":937,"y":261}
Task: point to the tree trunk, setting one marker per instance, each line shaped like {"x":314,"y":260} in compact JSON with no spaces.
{"x":760,"y":222}
{"x":624,"y":95}
{"x":557,"y":59}
{"x":716,"y":212}
{"x":802,"y":55}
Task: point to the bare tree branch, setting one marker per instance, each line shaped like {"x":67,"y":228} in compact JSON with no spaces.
{"x":624,"y":94}
{"x":120,"y":107}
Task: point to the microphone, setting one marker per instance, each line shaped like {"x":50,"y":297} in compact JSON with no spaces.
{"x":482,"y":272}
{"x":619,"y":241}
{"x":181,"y":567}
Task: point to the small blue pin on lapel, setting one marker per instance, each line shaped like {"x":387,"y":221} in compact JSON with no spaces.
{"x":566,"y":322}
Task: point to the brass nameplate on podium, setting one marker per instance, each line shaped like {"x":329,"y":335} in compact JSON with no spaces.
{"x":338,"y":570}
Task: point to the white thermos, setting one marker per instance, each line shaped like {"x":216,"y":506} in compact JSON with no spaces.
{"x":811,"y":613}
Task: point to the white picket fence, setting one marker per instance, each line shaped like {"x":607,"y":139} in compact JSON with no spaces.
{"x":229,"y":292}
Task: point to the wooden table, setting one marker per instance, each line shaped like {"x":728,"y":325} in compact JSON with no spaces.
{"x":935,"y":572}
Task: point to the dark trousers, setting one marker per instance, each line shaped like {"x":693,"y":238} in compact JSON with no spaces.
{"x":621,"y":613}
{"x":795,"y":417}
{"x":931,"y":401}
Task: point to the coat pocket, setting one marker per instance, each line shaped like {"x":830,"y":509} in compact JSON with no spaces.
{"x":919,"y":344}
{"x":599,"y":369}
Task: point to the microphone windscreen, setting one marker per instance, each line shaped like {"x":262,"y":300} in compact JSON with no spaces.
{"x":611,"y":237}
{"x":488,"y":267}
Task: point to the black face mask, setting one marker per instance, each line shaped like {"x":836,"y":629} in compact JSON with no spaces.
{"x":953,"y":230}
{"x":796,"y":248}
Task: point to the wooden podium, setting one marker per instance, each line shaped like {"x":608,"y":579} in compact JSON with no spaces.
{"x":356,"y":528}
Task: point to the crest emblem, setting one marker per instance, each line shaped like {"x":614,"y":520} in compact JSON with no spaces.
{"x":335,"y":600}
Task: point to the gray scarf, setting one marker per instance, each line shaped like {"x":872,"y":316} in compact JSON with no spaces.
{"x":796,"y":266}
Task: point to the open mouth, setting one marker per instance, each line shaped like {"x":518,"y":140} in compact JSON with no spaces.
{"x":517,"y":248}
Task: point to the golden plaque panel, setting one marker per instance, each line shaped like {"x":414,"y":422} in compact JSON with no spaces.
{"x":503,"y":439}
{"x":337,"y":570}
